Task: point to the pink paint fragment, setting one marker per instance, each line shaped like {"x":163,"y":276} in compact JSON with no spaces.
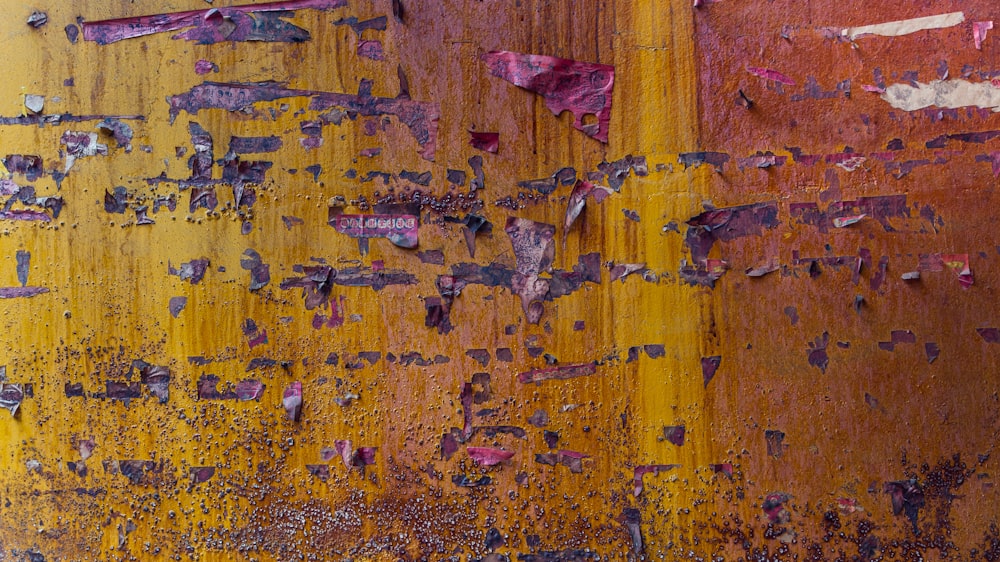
{"x":979,"y":29}
{"x":250,"y":389}
{"x":371,"y":49}
{"x":644,"y":469}
{"x":557,"y":373}
{"x":204,"y":67}
{"x":486,"y":456}
{"x":724,"y":468}
{"x":292,"y":401}
{"x":220,"y":20}
{"x":872,"y":89}
{"x":343,"y":448}
{"x":583,"y":88}
{"x":258,"y":338}
{"x":770,"y":75}
{"x":336,"y":317}
{"x":488,"y":142}
{"x":354,"y":458}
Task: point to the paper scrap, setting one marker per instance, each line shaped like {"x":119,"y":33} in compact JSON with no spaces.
{"x":949,"y":94}
{"x":905,"y":27}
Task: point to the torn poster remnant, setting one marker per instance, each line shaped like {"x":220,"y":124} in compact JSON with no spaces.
{"x":948,"y":94}
{"x":583,"y":88}
{"x":11,"y":396}
{"x":401,"y":230}
{"x":354,"y":458}
{"x":80,"y":144}
{"x":959,"y":263}
{"x":248,"y":22}
{"x":420,"y":117}
{"x":771,"y":75}
{"x":905,"y":27}
{"x":578,"y":200}
{"x":534,"y":251}
{"x":292,"y":401}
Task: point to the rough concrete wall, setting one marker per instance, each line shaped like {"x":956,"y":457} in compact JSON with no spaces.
{"x":490,"y":280}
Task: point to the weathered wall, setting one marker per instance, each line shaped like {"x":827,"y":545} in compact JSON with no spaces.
{"x":757,"y":322}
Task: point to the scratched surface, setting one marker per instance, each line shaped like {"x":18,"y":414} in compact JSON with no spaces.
{"x":463,"y":280}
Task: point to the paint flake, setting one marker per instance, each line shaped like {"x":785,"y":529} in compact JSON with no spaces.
{"x":248,"y":22}
{"x":582,"y":88}
{"x":292,"y":401}
{"x":709,"y":365}
{"x":642,"y":470}
{"x":81,"y":144}
{"x":485,"y":456}
{"x":11,"y":396}
{"x":979,"y":30}
{"x":420,"y":117}
{"x":487,"y":142}
{"x":557,"y":373}
{"x":570,"y":459}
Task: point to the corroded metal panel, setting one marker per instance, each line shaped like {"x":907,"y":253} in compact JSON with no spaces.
{"x":504,"y":280}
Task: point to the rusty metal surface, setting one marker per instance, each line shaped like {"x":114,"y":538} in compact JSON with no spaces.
{"x":525,"y":280}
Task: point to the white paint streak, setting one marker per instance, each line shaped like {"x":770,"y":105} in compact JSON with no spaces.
{"x":904,"y":27}
{"x":949,"y":94}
